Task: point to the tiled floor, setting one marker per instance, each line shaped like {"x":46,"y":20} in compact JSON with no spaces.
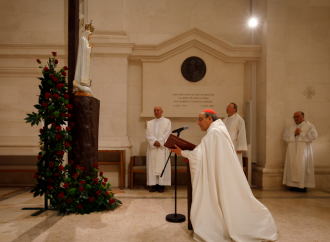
{"x":299,"y":217}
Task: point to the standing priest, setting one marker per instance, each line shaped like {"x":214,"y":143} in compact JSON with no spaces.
{"x":223,"y":206}
{"x":299,"y":163}
{"x":157,"y":133}
{"x":236,"y":129}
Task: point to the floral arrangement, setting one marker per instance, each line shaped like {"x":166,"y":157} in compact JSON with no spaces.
{"x":52,"y":176}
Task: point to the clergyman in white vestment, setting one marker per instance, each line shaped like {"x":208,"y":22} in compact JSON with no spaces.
{"x":157,"y":133}
{"x":299,"y":163}
{"x":236,"y":129}
{"x":223,"y":207}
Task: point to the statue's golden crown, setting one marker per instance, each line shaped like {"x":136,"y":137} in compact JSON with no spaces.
{"x":89,"y":27}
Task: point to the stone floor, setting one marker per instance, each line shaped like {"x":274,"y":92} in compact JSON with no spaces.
{"x":299,"y":217}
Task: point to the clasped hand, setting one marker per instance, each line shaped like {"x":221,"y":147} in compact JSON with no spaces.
{"x":157,"y":144}
{"x":297,"y":132}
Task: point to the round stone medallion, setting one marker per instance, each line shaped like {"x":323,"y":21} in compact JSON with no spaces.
{"x":193,"y":69}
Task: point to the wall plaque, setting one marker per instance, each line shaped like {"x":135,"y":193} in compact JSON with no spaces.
{"x":193,"y":69}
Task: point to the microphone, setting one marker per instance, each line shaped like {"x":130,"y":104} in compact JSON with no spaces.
{"x":180,"y":129}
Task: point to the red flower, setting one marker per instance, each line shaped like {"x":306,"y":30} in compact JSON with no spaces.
{"x":66,"y":185}
{"x":68,"y":115}
{"x":72,"y":124}
{"x":41,"y":130}
{"x":63,"y":73}
{"x":55,"y":79}
{"x":47,"y":95}
{"x":60,"y":85}
{"x":56,"y":61}
{"x":77,"y":166}
{"x":39,"y":157}
{"x":53,"y":124}
{"x":50,"y":180}
{"x":75,"y":175}
{"x":44,"y":127}
{"x":61,"y":195}
{"x":51,"y":164}
{"x":56,"y":96}
{"x":80,"y":206}
{"x":62,"y":153}
{"x":62,"y":115}
{"x":82,"y":182}
{"x":46,"y":69}
{"x":67,"y":144}
{"x":96,"y":165}
{"x":81,"y":189}
{"x":101,"y":173}
{"x":55,"y":174}
{"x":82,"y":168}
{"x":59,"y":152}
{"x":54,"y":53}
{"x":69,"y":200}
{"x":91,"y":199}
{"x":35,"y":175}
{"x":68,"y":128}
{"x":61,"y":168}
{"x":105,"y":179}
{"x":71,"y":162}
{"x":52,"y":116}
{"x":104,"y":184}
{"x":39,"y":61}
{"x":98,"y":192}
{"x":58,"y":136}
{"x":65,"y":68}
{"x":59,"y":128}
{"x":95,"y":181}
{"x":51,"y":76}
{"x":44,"y":104}
{"x":111,"y":201}
{"x":66,"y":96}
{"x":50,"y":187}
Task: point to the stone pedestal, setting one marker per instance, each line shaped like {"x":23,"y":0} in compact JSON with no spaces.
{"x":85,"y":115}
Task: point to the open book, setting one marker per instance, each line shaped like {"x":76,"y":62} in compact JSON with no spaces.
{"x":183,"y":144}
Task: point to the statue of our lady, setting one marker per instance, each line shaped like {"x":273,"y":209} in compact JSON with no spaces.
{"x":82,"y":78}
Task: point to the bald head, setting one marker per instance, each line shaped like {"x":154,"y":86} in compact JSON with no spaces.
{"x":158,"y":112}
{"x":298,"y":117}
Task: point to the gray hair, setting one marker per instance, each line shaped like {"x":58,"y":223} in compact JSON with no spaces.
{"x":235,"y":106}
{"x":213,"y":116}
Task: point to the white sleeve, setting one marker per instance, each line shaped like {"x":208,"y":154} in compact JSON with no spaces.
{"x":287,"y":136}
{"x":309,"y":136}
{"x":241,"y":136}
{"x":162,"y":139}
{"x":150,"y":138}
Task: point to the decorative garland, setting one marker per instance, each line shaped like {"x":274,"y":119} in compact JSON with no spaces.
{"x":67,"y":194}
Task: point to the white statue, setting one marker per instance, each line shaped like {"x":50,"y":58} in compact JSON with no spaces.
{"x":82,"y":79}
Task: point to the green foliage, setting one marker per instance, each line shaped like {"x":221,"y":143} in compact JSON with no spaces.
{"x":52,"y":108}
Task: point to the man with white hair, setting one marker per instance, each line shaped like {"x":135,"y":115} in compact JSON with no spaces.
{"x":299,"y":163}
{"x":157,"y":133}
{"x":236,"y":129}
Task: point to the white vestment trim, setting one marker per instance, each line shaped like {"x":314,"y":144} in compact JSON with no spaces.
{"x":223,"y":206}
{"x":157,"y":154}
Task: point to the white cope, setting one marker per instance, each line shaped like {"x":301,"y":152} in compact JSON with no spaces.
{"x":223,"y":206}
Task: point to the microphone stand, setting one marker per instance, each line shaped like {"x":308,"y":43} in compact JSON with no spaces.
{"x":174,"y":217}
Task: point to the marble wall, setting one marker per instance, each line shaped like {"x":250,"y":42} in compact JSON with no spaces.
{"x":296,"y":56}
{"x":292,"y":72}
